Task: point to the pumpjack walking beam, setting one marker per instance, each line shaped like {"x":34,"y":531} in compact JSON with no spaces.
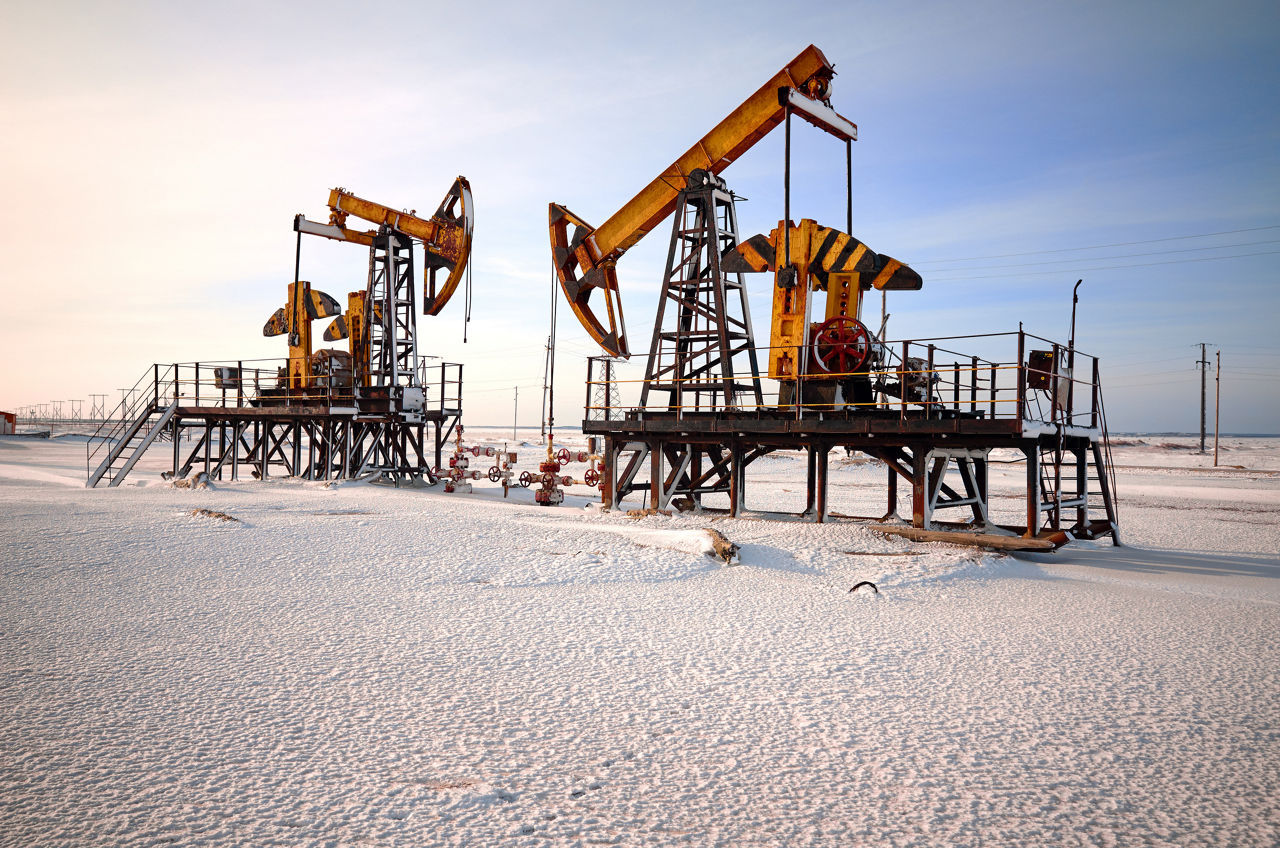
{"x":585,"y":259}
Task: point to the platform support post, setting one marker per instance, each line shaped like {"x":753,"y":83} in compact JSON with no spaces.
{"x":892,"y":489}
{"x":811,"y":479}
{"x":737,"y":480}
{"x":609,"y":472}
{"x":177,"y":441}
{"x":823,"y":451}
{"x":695,"y":474}
{"x":655,"y":476}
{"x":1033,"y":490}
{"x":919,"y":486}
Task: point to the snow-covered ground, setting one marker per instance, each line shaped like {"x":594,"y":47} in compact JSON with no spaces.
{"x":360,"y":665}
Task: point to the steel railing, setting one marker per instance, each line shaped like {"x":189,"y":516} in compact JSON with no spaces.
{"x":247,"y":383}
{"x":914,"y":377}
{"x":154,"y":390}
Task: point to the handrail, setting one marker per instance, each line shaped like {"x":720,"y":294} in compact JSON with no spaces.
{"x":938,"y":381}
{"x":234,"y":385}
{"x":130,"y":408}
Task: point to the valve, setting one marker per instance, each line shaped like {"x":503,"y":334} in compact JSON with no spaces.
{"x":549,"y":496}
{"x":460,"y":466}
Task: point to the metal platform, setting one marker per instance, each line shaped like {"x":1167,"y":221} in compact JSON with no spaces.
{"x":957,"y":409}
{"x":233,"y":419}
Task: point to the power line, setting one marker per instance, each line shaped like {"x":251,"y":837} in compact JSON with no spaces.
{"x":1152,"y":374}
{"x":1115,"y":256}
{"x":1152,"y":361}
{"x":505,"y":388}
{"x":1122,"y":385}
{"x":1101,"y":267}
{"x":1102,"y":246}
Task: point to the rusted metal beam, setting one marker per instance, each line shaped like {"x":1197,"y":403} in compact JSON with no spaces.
{"x":969,"y":539}
{"x":585,"y":256}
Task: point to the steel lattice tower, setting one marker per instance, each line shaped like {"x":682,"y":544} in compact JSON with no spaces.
{"x":393,"y":340}
{"x":703,"y":321}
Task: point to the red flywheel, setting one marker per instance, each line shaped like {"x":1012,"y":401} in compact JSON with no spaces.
{"x":841,"y":345}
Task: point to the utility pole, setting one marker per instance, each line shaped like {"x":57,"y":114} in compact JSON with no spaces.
{"x":515,"y":412}
{"x":1204,"y":364}
{"x":1217,"y":406}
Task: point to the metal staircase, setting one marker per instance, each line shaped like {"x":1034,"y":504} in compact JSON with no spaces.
{"x":1101,"y":509}
{"x":1077,"y":482}
{"x":139,"y":420}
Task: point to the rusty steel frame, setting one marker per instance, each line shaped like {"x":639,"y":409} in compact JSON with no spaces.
{"x":328,"y":435}
{"x":393,"y":341}
{"x":1069,"y":484}
{"x":695,"y":455}
{"x":297,"y":442}
{"x":703,"y":321}
{"x":602,"y":389}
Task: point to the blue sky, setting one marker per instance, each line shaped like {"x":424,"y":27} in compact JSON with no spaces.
{"x":154,"y":156}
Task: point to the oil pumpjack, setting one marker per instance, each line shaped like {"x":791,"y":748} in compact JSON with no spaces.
{"x":703,"y":416}
{"x":328,"y":413}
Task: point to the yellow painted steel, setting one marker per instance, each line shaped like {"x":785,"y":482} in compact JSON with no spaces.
{"x":789,"y":327}
{"x":299,"y":335}
{"x":823,"y":259}
{"x":725,"y":143}
{"x":343,"y":203}
{"x":585,"y":260}
{"x":353,"y":325}
{"x":446,"y":235}
{"x":358,"y":327}
{"x":303,"y":306}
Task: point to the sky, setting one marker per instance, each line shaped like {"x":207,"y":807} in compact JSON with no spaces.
{"x":154,"y":155}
